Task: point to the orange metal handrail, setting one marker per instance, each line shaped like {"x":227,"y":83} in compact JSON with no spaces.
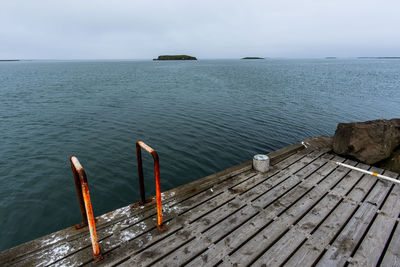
{"x":82,"y":190}
{"x":139,"y":145}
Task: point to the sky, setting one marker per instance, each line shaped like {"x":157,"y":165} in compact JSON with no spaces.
{"x":130,"y":29}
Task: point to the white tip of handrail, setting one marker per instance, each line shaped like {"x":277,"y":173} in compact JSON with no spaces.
{"x":76,"y":163}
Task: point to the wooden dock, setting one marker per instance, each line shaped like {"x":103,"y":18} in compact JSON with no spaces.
{"x":305,"y":211}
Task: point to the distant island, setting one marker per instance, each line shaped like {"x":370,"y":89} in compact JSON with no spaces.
{"x":330,"y":57}
{"x":380,"y":57}
{"x":5,"y":60}
{"x":175,"y":57}
{"x":253,"y":58}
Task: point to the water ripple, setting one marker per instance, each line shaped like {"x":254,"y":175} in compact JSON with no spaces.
{"x":201,"y":117}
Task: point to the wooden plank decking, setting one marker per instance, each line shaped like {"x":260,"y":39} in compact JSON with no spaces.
{"x":305,"y":211}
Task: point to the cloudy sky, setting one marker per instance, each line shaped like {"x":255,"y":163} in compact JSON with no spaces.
{"x":128,"y":29}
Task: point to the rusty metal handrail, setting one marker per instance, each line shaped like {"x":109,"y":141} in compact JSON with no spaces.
{"x":139,"y":145}
{"x":82,"y":190}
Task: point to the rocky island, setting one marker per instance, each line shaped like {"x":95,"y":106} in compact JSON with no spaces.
{"x":253,"y":58}
{"x":378,"y":57}
{"x":175,"y":57}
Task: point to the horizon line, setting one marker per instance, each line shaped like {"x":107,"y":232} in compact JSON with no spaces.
{"x":205,"y":58}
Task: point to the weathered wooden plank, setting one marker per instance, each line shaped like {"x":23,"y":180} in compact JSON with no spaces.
{"x":161,"y":248}
{"x":238,"y":179}
{"x":300,"y":173}
{"x":114,"y":252}
{"x":238,"y":236}
{"x":374,"y":242}
{"x":256,"y":246}
{"x":184,"y":254}
{"x":288,"y":162}
{"x":178,"y":209}
{"x":269,"y":235}
{"x":18,"y":253}
{"x":210,"y":236}
{"x":231,"y":242}
{"x":252,"y":187}
{"x":217,"y":187}
{"x":278,"y":253}
{"x":144,"y":241}
{"x":372,"y":246}
{"x":272,"y":195}
{"x":392,"y":255}
{"x":287,"y":154}
{"x":61,"y":244}
{"x":309,"y":252}
{"x":391,"y":207}
{"x":179,"y":238}
{"x":339,"y":252}
{"x":61,"y":250}
{"x":344,"y":186}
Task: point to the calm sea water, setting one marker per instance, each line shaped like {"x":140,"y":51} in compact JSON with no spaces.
{"x":201,"y":116}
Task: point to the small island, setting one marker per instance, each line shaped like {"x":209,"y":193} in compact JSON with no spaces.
{"x":175,"y":57}
{"x":378,"y":57}
{"x":8,"y":60}
{"x":331,"y":58}
{"x":253,"y":58}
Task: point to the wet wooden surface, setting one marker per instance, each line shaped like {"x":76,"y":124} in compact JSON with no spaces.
{"x":304,"y":211}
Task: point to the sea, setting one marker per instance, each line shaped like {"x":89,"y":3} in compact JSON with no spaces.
{"x":200,"y":116}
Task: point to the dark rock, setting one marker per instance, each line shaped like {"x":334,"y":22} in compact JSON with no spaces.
{"x":175,"y":57}
{"x":368,"y":142}
{"x":392,"y":163}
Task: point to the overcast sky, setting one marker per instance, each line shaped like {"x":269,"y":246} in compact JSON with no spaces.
{"x":117,"y":29}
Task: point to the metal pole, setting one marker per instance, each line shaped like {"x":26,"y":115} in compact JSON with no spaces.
{"x":158,"y":188}
{"x":92,"y":225}
{"x":79,"y":195}
{"x":383,"y":177}
{"x":160,"y":225}
{"x":80,"y":173}
{"x":140,"y":171}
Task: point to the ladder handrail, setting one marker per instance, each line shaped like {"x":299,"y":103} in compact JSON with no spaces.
{"x":82,"y":190}
{"x":139,"y":145}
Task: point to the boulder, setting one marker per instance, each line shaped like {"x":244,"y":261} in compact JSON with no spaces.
{"x":368,"y":142}
{"x":392,"y":163}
